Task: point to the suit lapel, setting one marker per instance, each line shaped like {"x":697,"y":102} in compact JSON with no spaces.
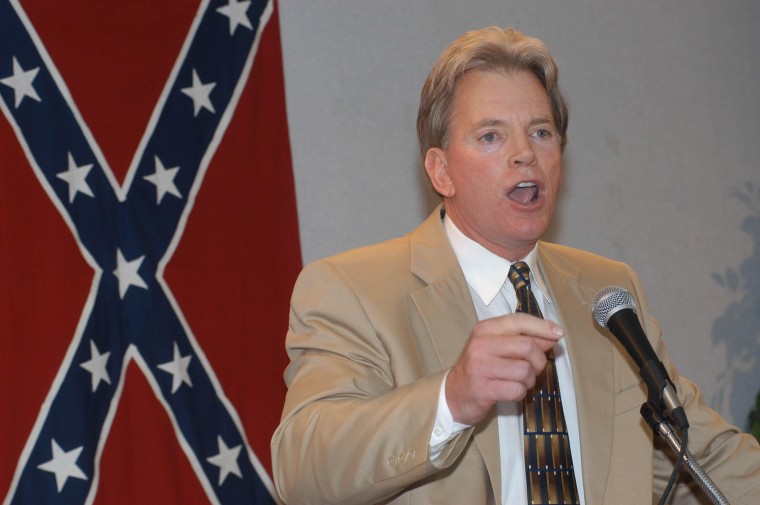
{"x":591,"y":353}
{"x":445,"y":306}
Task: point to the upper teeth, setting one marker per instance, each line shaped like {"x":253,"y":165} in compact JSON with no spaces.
{"x":526,"y":184}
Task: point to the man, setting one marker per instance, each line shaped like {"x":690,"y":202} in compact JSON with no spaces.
{"x":410,"y":361}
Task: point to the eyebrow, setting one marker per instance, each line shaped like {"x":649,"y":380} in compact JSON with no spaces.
{"x":498,"y":122}
{"x":541,"y":120}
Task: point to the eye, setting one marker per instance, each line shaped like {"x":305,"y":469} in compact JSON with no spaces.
{"x":542,"y":133}
{"x":489,"y":137}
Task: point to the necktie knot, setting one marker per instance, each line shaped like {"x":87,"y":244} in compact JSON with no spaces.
{"x":519,"y":275}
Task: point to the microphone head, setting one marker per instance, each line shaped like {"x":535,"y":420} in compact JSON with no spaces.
{"x":608,"y":301}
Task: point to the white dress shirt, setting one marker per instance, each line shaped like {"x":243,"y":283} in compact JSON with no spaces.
{"x":493,"y":295}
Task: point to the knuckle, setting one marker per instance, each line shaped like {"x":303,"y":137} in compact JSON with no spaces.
{"x":522,"y":370}
{"x":542,"y":361}
{"x":516,"y":391}
{"x":482,"y":327}
{"x":524,"y":346}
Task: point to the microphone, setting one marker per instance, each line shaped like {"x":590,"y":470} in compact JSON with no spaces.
{"x":615,"y":309}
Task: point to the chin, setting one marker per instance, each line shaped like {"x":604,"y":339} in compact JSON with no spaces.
{"x":528,"y":232}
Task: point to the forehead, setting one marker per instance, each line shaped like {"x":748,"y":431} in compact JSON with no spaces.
{"x":488,"y":93}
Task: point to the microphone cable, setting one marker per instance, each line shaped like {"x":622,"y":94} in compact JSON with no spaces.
{"x":677,"y":467}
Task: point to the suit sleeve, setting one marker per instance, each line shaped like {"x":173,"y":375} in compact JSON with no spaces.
{"x":349,"y":433}
{"x":731,"y":458}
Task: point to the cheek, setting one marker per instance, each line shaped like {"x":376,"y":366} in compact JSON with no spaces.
{"x":557,"y":178}
{"x":479,"y":182}
{"x":553,"y":166}
{"x":474,"y":173}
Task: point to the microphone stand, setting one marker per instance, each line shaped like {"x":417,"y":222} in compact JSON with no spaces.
{"x":661,"y":426}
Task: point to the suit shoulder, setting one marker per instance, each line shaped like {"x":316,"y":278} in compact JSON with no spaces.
{"x":391,"y":251}
{"x":578,"y":257}
{"x":366,"y":265}
{"x":591,"y":267}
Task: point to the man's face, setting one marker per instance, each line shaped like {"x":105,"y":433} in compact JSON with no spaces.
{"x":501,"y":169}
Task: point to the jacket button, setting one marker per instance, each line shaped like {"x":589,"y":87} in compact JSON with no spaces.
{"x":393,"y":461}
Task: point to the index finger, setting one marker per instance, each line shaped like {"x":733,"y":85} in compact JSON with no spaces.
{"x":545,"y":332}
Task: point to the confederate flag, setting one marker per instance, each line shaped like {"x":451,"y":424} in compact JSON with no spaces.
{"x":148,"y":246}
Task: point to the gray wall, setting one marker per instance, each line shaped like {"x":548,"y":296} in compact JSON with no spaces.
{"x":661,"y":169}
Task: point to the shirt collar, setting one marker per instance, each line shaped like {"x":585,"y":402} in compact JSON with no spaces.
{"x":485,"y":271}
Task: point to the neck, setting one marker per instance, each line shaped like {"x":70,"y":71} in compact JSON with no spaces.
{"x":510,"y":250}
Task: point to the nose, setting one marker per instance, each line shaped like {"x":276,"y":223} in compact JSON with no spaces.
{"x":521,"y":151}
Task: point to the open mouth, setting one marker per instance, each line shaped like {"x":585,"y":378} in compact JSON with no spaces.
{"x":524,"y":193}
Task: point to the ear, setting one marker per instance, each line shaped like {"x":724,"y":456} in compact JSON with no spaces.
{"x":437,"y":168}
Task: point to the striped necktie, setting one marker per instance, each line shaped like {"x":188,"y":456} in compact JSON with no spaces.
{"x":548,"y":466}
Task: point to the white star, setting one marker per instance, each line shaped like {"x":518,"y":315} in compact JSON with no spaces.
{"x":126,"y":272}
{"x":226,"y":460}
{"x":178,"y":368}
{"x":76,"y":177}
{"x":63,"y":465}
{"x":21,"y":82}
{"x":163,"y":179}
{"x":236,"y":12}
{"x":200,"y":92}
{"x":96,"y":365}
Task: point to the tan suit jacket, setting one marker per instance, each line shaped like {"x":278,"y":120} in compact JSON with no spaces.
{"x":372,"y":332}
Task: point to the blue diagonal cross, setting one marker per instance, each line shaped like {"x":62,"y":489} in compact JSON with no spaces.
{"x":127,"y":234}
